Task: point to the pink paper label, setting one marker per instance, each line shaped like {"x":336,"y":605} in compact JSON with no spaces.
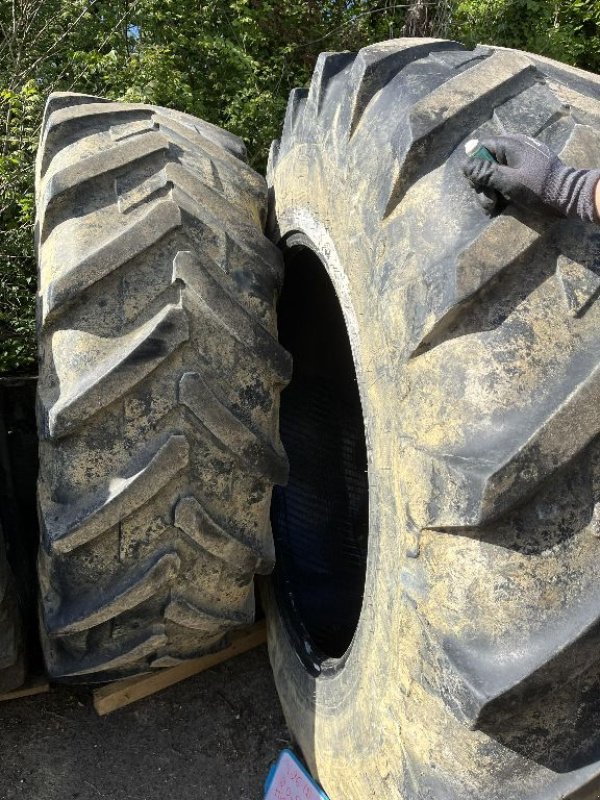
{"x":290,"y":783}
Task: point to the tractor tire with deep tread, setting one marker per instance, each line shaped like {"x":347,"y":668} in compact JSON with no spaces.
{"x":472,"y":671}
{"x":158,"y":395}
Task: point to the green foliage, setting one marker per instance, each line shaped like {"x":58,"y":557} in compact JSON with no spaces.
{"x":21,"y":112}
{"x":567,"y":30}
{"x":231,"y":62}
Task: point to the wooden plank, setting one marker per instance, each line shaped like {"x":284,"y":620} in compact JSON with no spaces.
{"x":121,"y":693}
{"x":35,"y":685}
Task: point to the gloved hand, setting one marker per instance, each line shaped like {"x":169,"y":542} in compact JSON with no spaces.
{"x":529,"y":174}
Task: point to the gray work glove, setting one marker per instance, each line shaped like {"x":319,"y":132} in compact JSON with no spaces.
{"x":529,"y":174}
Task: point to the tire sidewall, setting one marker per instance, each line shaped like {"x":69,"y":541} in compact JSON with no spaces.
{"x":324,"y":709}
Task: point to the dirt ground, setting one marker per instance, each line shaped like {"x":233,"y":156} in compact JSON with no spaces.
{"x":211,"y":737}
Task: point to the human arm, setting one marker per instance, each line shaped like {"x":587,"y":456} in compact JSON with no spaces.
{"x":529,"y":174}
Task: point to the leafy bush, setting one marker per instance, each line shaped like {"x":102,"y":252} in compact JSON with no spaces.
{"x":567,"y":30}
{"x":231,"y":62}
{"x":21,"y":113}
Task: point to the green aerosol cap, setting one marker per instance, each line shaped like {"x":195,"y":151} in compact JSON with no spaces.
{"x":474,"y":149}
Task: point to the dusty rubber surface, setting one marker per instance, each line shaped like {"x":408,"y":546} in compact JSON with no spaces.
{"x":473,"y":668}
{"x":211,"y":737}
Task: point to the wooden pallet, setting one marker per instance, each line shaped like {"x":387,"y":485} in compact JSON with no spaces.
{"x":33,"y":685}
{"x":121,"y":693}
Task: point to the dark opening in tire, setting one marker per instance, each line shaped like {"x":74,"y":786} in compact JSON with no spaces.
{"x":320,"y":519}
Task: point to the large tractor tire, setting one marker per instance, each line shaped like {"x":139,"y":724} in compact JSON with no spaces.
{"x":12,"y":667}
{"x":160,"y":374}
{"x":444,"y":643}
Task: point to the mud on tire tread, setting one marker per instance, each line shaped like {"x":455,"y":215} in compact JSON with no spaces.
{"x":476,"y":343}
{"x":159,"y":386}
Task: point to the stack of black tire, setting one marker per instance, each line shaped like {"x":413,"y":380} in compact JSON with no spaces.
{"x":12,"y":668}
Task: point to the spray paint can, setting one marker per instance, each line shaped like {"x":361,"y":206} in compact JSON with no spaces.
{"x":474,"y":149}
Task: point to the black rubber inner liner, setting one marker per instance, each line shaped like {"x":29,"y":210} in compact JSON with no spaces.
{"x":320,"y":519}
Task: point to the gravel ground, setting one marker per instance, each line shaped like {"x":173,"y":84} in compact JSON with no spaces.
{"x":210,"y":737}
